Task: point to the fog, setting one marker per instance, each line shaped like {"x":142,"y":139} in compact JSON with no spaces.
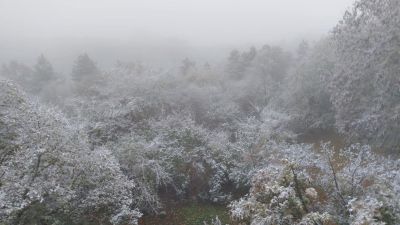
{"x":155,"y":30}
{"x":208,"y":112}
{"x":201,"y":22}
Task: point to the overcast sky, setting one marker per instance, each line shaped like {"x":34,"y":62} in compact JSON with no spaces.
{"x":195,"y":21}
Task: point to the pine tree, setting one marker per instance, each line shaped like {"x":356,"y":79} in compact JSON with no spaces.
{"x":43,"y":74}
{"x":85,"y":75}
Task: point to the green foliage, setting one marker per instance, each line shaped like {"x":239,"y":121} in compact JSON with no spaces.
{"x":195,"y":214}
{"x":189,"y":214}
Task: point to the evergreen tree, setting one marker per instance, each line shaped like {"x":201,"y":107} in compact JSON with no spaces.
{"x":85,"y":75}
{"x":43,"y":74}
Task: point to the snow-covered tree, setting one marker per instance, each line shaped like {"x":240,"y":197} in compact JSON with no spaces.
{"x":48,"y":171}
{"x":305,"y":92}
{"x":365,"y":86}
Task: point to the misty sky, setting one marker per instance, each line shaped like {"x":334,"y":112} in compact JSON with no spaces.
{"x":195,"y":21}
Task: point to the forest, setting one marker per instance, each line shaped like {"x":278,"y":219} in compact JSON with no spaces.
{"x":269,"y":136}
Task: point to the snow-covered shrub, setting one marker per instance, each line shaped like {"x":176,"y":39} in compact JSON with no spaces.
{"x":349,"y":185}
{"x":255,"y":141}
{"x":280,"y":195}
{"x":366,"y":211}
{"x":215,"y":221}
